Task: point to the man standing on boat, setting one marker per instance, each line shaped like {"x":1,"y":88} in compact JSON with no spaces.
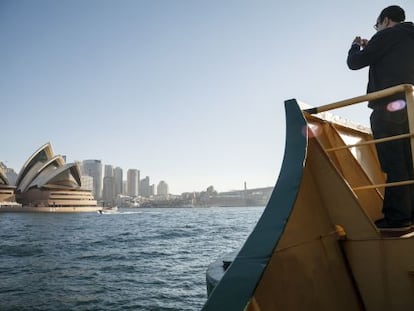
{"x":390,"y":57}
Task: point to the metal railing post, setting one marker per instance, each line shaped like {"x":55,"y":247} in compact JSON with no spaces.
{"x":409,"y":97}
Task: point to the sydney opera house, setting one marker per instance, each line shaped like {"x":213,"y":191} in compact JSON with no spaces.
{"x":7,"y":196}
{"x":46,"y":183}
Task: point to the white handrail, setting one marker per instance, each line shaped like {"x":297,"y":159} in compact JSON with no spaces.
{"x":408,"y":89}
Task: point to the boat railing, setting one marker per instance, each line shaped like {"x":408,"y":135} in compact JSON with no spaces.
{"x":408,"y":90}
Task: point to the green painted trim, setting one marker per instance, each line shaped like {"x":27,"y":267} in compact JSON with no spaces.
{"x":240,"y":280}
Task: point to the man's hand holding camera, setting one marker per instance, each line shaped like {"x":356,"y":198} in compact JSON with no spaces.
{"x":361,"y":42}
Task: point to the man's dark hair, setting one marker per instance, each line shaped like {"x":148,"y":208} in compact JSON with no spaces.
{"x":393,"y":12}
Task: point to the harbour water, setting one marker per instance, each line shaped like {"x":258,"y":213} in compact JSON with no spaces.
{"x":139,"y":259}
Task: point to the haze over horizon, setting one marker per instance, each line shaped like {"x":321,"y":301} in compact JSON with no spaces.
{"x":190,"y":92}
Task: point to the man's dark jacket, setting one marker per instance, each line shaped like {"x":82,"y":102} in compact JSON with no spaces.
{"x":390,"y":57}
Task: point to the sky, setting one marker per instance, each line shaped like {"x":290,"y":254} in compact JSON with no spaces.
{"x":189,"y":92}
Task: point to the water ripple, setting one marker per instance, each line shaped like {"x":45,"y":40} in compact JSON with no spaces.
{"x":149,"y":259}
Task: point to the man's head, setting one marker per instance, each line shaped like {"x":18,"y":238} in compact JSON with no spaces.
{"x":389,"y":17}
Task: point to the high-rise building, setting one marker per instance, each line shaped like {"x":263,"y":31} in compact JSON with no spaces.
{"x":125,"y":187}
{"x":108,"y":171}
{"x":87,"y":182}
{"x":144,"y":187}
{"x":133,"y":182}
{"x":162,"y":188}
{"x":93,"y":168}
{"x":118,"y":181}
{"x":108,"y":192}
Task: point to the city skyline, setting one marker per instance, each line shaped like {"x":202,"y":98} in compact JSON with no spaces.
{"x":164,"y":184}
{"x":191,"y":92}
{"x":119,"y":170}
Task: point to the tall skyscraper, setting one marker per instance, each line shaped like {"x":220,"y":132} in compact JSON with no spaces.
{"x":93,"y":168}
{"x":109,"y":171}
{"x":125,"y":187}
{"x":108,"y":193}
{"x":133,"y":182}
{"x":87,"y":182}
{"x":162,"y":188}
{"x":144,"y":187}
{"x":118,"y":175}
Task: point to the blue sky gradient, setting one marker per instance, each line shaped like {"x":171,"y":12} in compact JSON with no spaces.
{"x":190,"y":92}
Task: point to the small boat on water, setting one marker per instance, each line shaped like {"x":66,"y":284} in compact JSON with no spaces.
{"x":109,"y":210}
{"x":316,"y":246}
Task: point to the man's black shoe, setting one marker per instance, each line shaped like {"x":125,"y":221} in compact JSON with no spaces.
{"x":384,"y":225}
